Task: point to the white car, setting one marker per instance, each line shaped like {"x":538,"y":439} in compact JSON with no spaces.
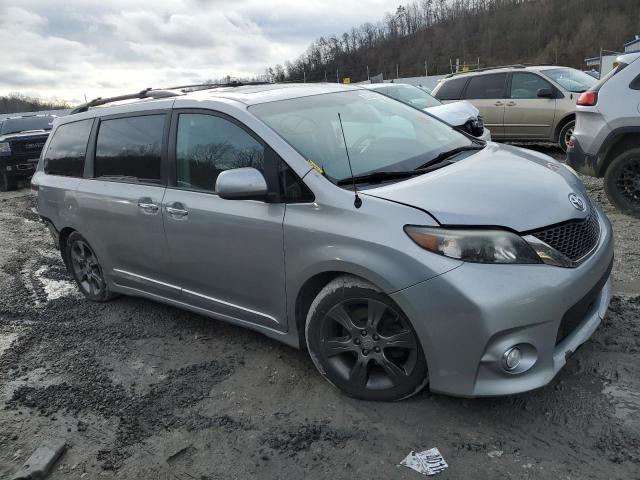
{"x":462,"y":115}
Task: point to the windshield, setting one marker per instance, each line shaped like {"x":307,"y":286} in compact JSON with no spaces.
{"x":16,"y":125}
{"x":381,"y":134}
{"x":571,"y":79}
{"x":414,"y":96}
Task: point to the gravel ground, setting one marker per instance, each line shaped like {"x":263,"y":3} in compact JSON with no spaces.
{"x":142,"y":390}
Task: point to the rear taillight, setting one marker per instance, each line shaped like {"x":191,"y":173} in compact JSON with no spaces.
{"x":588,"y":98}
{"x":35,"y":188}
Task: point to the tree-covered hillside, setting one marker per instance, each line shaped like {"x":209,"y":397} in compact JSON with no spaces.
{"x":497,"y":32}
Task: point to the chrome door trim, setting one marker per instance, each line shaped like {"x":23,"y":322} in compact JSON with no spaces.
{"x":229,"y":304}
{"x":157,"y":282}
{"x":196,"y":294}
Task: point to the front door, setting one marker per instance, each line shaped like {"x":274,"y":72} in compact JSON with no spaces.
{"x":228,"y":254}
{"x":528,"y":116}
{"x":487,"y":93}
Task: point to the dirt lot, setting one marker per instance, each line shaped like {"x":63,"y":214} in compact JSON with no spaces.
{"x":142,"y":390}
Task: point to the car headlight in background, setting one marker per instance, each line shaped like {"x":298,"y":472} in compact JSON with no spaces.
{"x":477,"y":246}
{"x":5,"y":148}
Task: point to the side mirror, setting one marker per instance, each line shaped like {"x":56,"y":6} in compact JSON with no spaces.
{"x":241,"y":184}
{"x":545,"y":93}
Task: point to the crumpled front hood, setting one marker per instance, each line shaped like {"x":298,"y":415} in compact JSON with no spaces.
{"x":501,"y":186}
{"x":456,"y":113}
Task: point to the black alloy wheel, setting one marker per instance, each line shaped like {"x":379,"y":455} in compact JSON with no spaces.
{"x":365,"y":346}
{"x":622,"y":182}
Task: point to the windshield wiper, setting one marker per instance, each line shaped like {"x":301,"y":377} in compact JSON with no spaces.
{"x":450,"y":153}
{"x":379,"y":176}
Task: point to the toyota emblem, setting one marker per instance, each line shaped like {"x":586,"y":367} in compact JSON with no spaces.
{"x":577,"y":202}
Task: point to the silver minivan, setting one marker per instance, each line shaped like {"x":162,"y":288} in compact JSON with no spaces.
{"x":394,"y":248}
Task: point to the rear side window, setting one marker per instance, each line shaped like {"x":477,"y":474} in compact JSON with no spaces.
{"x":130,"y":148}
{"x":486,"y":86}
{"x":451,"y":90}
{"x":67,"y":149}
{"x":207,"y":145}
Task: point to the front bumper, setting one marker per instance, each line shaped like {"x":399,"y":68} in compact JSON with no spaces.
{"x":468,"y":317}
{"x":20,"y":170}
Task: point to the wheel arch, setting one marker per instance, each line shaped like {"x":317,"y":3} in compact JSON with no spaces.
{"x":62,"y":241}
{"x":308,"y":292}
{"x":561,"y":124}
{"x":617,"y":142}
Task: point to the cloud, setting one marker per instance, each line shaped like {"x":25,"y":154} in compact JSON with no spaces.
{"x":95,"y":47}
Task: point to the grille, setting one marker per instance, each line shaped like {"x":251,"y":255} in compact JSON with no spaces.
{"x":573,"y":239}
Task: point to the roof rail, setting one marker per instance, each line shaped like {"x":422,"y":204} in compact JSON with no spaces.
{"x":517,"y":65}
{"x":146,"y":93}
{"x":206,"y":86}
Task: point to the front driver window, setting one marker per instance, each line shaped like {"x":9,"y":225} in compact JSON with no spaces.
{"x":207,"y":145}
{"x":527,"y":85}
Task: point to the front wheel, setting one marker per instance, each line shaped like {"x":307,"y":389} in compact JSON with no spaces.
{"x":565,"y":135}
{"x":86,"y":269}
{"x":622,"y":182}
{"x":362,"y":343}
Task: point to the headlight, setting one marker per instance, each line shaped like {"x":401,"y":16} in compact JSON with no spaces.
{"x":478,"y":246}
{"x":4,"y":148}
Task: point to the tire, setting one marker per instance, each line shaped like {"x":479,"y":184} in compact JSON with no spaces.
{"x":86,"y":270}
{"x":7,"y":183}
{"x":362,"y":343}
{"x":565,"y":133}
{"x":622,"y":182}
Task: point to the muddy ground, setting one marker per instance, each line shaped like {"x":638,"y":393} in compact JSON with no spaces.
{"x":142,"y":390}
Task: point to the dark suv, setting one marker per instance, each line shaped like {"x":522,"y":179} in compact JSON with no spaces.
{"x":21,"y":141}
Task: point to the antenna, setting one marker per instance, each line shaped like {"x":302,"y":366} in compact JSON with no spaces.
{"x":358,"y":201}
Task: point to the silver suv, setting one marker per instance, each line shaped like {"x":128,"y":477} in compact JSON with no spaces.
{"x":606,"y":141}
{"x":396,"y":249}
{"x":519,"y":102}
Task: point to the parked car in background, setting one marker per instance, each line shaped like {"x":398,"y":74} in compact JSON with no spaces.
{"x":395,"y":249}
{"x":21,"y":141}
{"x":521,"y":103}
{"x":606,"y":140}
{"x":462,"y":115}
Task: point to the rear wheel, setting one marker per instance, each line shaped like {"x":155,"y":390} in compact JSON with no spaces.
{"x":86,"y":269}
{"x":363,"y":344}
{"x":622,"y":182}
{"x":7,"y":183}
{"x":565,"y":134}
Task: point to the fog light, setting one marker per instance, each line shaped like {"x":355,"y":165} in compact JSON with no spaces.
{"x":511,"y":358}
{"x":9,"y":168}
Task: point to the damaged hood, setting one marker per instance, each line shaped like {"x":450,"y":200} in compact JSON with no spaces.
{"x":456,"y":114}
{"x":500,"y":186}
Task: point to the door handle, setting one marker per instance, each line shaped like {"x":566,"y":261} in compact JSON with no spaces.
{"x":511,"y":104}
{"x":498,"y":104}
{"x":147,"y":205}
{"x":177,"y":209}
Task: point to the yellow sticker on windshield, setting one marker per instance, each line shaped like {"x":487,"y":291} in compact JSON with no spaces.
{"x":316,"y":167}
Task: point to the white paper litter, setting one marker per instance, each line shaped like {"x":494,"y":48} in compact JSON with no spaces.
{"x":429,"y":462}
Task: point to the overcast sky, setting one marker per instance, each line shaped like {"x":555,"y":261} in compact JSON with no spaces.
{"x":68,"y":49}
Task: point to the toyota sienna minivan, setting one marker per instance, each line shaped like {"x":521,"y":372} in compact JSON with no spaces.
{"x":398,"y":251}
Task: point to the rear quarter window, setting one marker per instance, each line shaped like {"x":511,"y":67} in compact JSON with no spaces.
{"x":67,"y":149}
{"x":451,"y":90}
